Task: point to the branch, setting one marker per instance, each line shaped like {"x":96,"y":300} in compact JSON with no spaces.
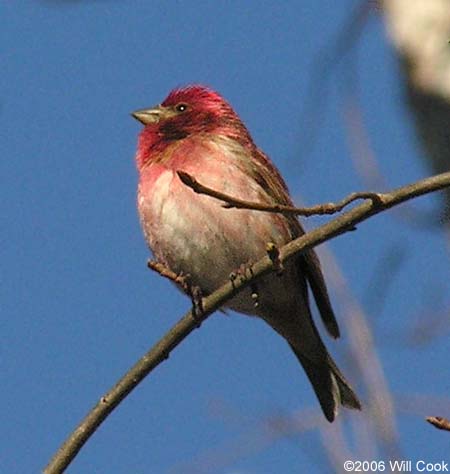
{"x":236,"y":203}
{"x":161,"y":350}
{"x":439,"y":422}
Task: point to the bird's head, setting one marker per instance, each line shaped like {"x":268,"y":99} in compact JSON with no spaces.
{"x":187,"y":111}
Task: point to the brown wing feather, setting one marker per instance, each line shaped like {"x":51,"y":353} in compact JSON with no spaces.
{"x":310,"y":267}
{"x":273,"y":184}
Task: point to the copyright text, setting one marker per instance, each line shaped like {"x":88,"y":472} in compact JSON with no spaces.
{"x":395,"y":466}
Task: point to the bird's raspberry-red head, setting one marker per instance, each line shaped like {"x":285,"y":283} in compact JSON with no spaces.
{"x":187,"y":111}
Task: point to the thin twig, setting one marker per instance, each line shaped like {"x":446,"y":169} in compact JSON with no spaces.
{"x":236,"y":203}
{"x":253,"y":441}
{"x":439,"y":422}
{"x":366,"y":367}
{"x":326,"y":60}
{"x":161,"y":350}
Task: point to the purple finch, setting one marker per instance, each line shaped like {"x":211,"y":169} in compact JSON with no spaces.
{"x":196,"y":131}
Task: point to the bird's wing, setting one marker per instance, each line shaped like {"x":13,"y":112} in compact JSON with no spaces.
{"x":273,"y":184}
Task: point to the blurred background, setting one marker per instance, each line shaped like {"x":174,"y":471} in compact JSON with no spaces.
{"x":343,"y":96}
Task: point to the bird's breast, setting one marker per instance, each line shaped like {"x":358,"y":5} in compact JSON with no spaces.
{"x":194,"y":233}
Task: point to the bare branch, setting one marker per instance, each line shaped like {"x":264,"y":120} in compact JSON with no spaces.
{"x":236,"y":203}
{"x":161,"y":350}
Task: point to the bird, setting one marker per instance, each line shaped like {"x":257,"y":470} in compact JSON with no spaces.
{"x":196,"y":131}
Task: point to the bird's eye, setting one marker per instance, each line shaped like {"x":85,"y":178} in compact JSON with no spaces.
{"x":181,"y":107}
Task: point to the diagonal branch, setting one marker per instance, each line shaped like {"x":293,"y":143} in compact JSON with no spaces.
{"x":161,"y":350}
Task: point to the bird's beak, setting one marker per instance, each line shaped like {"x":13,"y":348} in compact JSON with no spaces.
{"x":148,"y":116}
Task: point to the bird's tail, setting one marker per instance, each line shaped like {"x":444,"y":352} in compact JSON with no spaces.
{"x":329,"y":384}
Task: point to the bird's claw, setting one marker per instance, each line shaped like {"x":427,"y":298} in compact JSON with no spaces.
{"x":197,"y":304}
{"x":244,"y":272}
{"x":184,"y":281}
{"x":195,"y":293}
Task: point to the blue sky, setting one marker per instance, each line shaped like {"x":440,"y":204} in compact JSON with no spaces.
{"x":77,"y":301}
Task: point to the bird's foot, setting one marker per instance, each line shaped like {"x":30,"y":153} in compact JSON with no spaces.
{"x":243,"y":273}
{"x":196,"y":295}
{"x":184,"y":281}
{"x":164,"y":271}
{"x":197,"y":304}
{"x":180,"y":279}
